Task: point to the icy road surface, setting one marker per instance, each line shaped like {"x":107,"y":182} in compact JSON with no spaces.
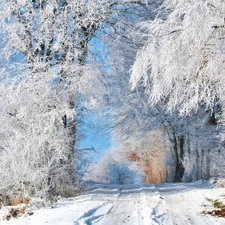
{"x":166,"y":204}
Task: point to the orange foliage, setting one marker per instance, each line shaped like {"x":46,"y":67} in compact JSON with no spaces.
{"x":133,"y":157}
{"x":152,"y":164}
{"x":18,"y":199}
{"x":153,"y":175}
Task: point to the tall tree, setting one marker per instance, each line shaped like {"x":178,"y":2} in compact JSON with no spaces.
{"x":48,"y":70}
{"x":133,"y":112}
{"x":182,"y":66}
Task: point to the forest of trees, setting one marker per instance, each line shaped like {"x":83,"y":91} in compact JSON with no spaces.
{"x":152,"y":69}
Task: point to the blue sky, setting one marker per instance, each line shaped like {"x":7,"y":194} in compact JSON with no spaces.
{"x":93,"y":138}
{"x":92,"y":135}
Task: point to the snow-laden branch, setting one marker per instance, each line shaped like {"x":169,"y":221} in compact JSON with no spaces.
{"x":181,"y":61}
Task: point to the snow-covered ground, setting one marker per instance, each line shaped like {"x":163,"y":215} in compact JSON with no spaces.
{"x":147,"y":204}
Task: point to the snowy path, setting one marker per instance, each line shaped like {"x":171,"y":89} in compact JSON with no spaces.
{"x":166,"y":204}
{"x":135,"y":205}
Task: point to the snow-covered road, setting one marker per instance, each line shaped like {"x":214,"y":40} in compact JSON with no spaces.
{"x":166,"y":204}
{"x":131,"y":205}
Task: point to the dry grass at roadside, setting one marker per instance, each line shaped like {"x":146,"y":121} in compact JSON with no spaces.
{"x":220,"y":208}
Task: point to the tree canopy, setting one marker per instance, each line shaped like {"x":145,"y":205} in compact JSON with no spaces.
{"x":145,"y":66}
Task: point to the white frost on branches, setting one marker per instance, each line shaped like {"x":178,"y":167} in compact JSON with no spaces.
{"x":183,"y":61}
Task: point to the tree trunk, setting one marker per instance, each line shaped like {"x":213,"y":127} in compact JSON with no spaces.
{"x":179,"y":154}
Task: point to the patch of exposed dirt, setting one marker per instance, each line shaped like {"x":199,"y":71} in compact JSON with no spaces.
{"x":216,"y":212}
{"x":15,"y":212}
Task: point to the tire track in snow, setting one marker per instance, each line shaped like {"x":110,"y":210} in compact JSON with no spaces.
{"x":137,"y":205}
{"x":107,"y":196}
{"x":156,"y":210}
{"x":94,"y":215}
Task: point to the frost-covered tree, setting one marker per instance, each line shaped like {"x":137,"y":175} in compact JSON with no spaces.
{"x":149,"y":156}
{"x":46,"y":45}
{"x":164,"y":76}
{"x":113,"y":169}
{"x":180,"y":63}
{"x":182,"y":67}
{"x":119,"y":173}
{"x":49,"y":66}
